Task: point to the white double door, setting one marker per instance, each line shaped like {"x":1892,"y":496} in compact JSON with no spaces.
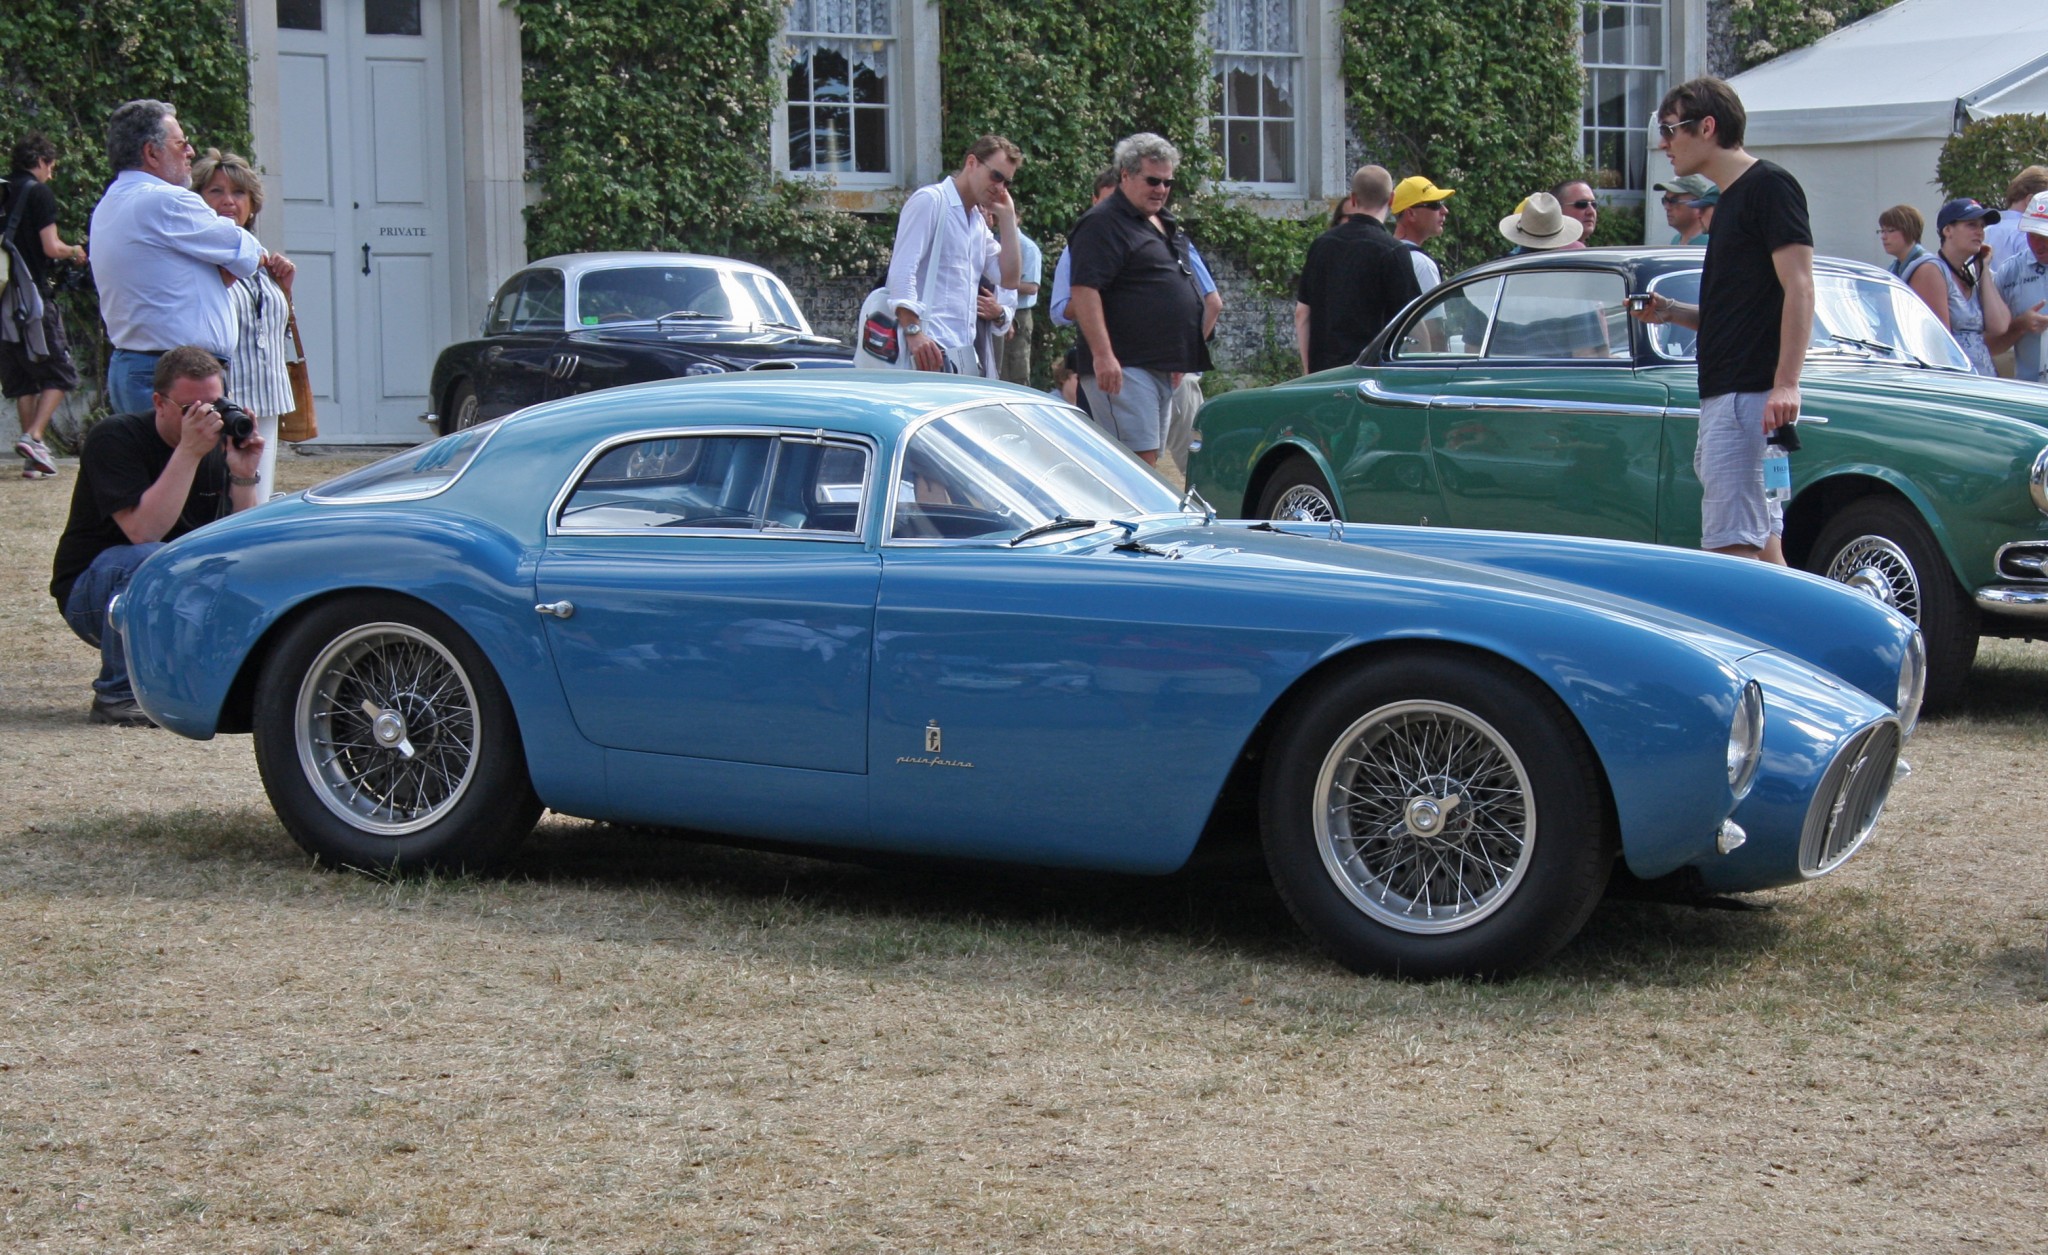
{"x":371,"y":211}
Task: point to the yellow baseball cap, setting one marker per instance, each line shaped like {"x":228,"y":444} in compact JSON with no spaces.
{"x":1416,"y":190}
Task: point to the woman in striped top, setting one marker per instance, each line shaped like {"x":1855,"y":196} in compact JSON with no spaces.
{"x":262,"y":303}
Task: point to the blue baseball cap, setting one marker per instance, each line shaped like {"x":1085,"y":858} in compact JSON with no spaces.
{"x":1964,"y":209}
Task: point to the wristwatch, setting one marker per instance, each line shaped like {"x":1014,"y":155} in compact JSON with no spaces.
{"x":244,"y":481}
{"x":913,"y":329}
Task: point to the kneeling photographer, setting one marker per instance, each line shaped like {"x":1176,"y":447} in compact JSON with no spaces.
{"x":144,"y":479}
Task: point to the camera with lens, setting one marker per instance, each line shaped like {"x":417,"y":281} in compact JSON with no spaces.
{"x":235,"y":422}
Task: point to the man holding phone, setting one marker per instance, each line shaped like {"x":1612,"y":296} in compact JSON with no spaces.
{"x":144,"y":479}
{"x":1754,"y":318}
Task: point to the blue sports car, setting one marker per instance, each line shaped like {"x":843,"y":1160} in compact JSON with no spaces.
{"x":921,"y":614}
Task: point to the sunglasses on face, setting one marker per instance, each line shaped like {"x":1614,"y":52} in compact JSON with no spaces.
{"x":1586,"y":204}
{"x":1665,"y":130}
{"x":997,"y":177}
{"x":1437,"y":205}
{"x":1153,"y":180}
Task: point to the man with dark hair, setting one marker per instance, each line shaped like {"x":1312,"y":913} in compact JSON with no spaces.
{"x":35,"y":357}
{"x":1356,"y":278}
{"x":162,"y":259}
{"x":1754,"y":317}
{"x":1136,"y":298}
{"x":1575,"y":197}
{"x":945,"y":250}
{"x":144,"y":479}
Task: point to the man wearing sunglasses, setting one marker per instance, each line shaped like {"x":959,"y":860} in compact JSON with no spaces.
{"x":1754,"y":317}
{"x":1136,"y":299}
{"x":1575,"y":196}
{"x":945,"y":248}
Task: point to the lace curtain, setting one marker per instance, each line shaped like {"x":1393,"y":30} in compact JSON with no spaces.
{"x":858,"y":29}
{"x":1238,"y":27}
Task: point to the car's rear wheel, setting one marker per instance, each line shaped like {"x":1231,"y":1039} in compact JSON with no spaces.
{"x":1432,"y":816}
{"x":1297,"y":493}
{"x":463,"y":408}
{"x":1881,"y":547}
{"x":386,"y":742}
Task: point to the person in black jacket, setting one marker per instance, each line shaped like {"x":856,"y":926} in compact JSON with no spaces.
{"x":1356,"y":279}
{"x":36,"y":377}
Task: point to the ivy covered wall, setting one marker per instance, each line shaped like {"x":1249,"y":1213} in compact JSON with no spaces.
{"x":64,"y":67}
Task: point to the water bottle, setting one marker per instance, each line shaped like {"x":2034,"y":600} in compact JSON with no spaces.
{"x":1778,"y":449}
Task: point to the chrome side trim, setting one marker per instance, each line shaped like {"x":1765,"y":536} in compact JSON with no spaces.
{"x":1373,"y":390}
{"x":2031,"y":603}
{"x":1522,"y":405}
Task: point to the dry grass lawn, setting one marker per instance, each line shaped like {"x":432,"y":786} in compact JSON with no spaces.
{"x":629,"y":1042}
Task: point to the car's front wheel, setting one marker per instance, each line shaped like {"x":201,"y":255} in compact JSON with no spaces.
{"x":386,"y":742}
{"x":1434,"y":815}
{"x":1297,"y":493}
{"x":1881,"y":547}
{"x":463,"y":408}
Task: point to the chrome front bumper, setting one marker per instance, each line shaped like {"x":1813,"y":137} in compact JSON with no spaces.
{"x":2026,"y":600}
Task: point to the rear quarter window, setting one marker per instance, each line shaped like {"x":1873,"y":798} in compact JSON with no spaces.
{"x":421,"y":471}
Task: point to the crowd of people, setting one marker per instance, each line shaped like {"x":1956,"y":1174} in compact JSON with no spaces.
{"x":195,"y":311}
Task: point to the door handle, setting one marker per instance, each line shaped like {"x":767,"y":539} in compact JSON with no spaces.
{"x":366,"y":259}
{"x":559,"y":609}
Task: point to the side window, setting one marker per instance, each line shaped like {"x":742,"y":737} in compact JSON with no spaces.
{"x":1562,"y":314}
{"x":746,"y":483}
{"x":500,"y":320}
{"x":1453,"y":326}
{"x":540,"y":302}
{"x":1670,"y":340}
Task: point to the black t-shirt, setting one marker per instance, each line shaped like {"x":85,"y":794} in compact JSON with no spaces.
{"x":1357,"y":277}
{"x":40,"y":211}
{"x":123,"y":456}
{"x":1742,"y":304}
{"x":1151,"y":301}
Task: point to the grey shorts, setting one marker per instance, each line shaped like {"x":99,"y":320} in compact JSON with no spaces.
{"x":1729,"y":460}
{"x":1138,"y":413}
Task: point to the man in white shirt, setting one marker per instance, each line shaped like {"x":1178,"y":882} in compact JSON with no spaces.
{"x":1419,"y":217}
{"x":944,"y":249}
{"x":162,"y":259}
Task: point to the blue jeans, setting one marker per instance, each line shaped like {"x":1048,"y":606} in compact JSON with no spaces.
{"x":131,"y":378}
{"x":86,"y":612}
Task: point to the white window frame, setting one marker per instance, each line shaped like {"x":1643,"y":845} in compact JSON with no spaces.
{"x":1319,"y":131}
{"x":1639,"y":98}
{"x":913,"y":107}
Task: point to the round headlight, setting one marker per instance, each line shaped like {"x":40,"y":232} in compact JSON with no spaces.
{"x":1746,"y":740}
{"x":703,"y":368}
{"x":1912,"y":683}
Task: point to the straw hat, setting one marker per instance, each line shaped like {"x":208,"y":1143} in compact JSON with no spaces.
{"x":1541,"y":224}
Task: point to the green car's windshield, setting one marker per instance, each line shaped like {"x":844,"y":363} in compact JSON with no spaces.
{"x":1858,"y":315}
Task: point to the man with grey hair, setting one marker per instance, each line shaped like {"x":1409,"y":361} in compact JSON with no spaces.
{"x":1136,"y":299}
{"x":1355,"y":280}
{"x":162,"y":259}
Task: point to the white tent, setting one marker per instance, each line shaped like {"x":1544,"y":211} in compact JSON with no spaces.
{"x":1860,"y":116}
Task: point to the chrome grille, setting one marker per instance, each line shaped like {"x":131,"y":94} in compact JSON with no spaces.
{"x":2023,"y":560}
{"x":1851,"y":796}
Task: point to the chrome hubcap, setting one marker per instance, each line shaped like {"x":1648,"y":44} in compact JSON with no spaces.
{"x":1876,"y":567}
{"x":1303,"y":504}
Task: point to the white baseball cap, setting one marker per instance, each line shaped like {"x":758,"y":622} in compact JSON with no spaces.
{"x":2035,"y":219}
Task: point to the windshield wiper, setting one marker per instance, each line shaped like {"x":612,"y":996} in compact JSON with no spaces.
{"x":683,"y":315}
{"x":1059,"y":523}
{"x":1872,"y":345}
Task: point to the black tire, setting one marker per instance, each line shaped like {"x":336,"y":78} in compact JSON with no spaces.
{"x":1882,"y":547}
{"x":1446,"y":755}
{"x":387,"y":743}
{"x":463,"y":408}
{"x":1297,"y":493}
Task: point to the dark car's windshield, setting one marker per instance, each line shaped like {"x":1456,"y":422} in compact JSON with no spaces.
{"x":1858,"y":315}
{"x":685,"y":293}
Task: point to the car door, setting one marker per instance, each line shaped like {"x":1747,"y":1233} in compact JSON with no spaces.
{"x":520,"y":355}
{"x":707,"y":595}
{"x":1551,"y":428}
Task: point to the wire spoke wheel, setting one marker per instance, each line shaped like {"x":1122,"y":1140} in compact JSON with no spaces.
{"x":1424,"y":817}
{"x":1877,"y":566}
{"x":1303,"y":503}
{"x":387,"y":729}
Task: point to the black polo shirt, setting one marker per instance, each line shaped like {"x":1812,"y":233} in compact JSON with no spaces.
{"x":123,"y":456}
{"x":1151,"y":301}
{"x":1358,"y":276}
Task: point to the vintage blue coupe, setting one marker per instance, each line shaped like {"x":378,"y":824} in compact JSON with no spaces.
{"x":947,"y":617}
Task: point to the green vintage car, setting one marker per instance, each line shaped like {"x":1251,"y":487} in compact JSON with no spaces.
{"x":1520,"y":396}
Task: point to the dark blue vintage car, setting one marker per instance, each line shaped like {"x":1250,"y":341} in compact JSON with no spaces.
{"x":928,"y":615}
{"x":576,"y":323}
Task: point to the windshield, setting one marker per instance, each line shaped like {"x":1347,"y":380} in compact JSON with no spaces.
{"x":686,"y":293}
{"x":1854,"y":315}
{"x":997,"y":471}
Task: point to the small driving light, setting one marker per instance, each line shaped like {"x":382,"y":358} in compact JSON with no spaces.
{"x":1730,"y":838}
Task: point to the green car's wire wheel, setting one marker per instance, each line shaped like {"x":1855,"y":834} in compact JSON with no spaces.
{"x":1297,"y":493}
{"x":1875,"y":566}
{"x":1880,"y":546}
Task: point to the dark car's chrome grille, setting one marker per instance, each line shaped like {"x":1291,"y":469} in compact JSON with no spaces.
{"x":1851,"y":796}
{"x":2023,"y":561}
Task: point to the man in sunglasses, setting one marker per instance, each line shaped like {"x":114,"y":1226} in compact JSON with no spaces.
{"x":945,"y":248}
{"x":1420,"y":210}
{"x":1136,"y":299}
{"x":1754,"y":317}
{"x":1575,"y":196}
{"x":1682,"y":211}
